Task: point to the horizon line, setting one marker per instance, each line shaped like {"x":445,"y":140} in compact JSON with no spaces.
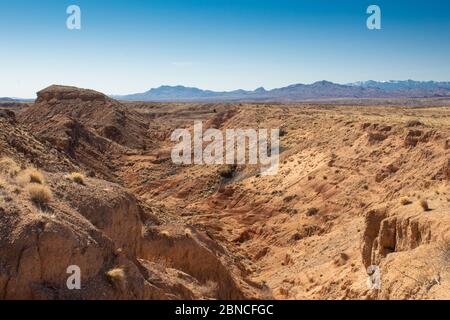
{"x":224,"y":91}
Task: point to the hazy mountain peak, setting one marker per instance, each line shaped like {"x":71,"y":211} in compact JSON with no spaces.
{"x":323,"y":83}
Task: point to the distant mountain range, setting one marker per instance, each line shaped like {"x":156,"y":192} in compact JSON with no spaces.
{"x":7,"y":99}
{"x":407,"y":84}
{"x":300,"y":92}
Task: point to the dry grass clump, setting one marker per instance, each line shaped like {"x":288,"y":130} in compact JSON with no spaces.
{"x":33,"y":182}
{"x":312,"y":212}
{"x":209,"y":289}
{"x":30,"y":175}
{"x":405,"y":201}
{"x":228,"y":171}
{"x":444,"y":247}
{"x":2,"y":183}
{"x":424,"y":205}
{"x":39,"y":194}
{"x":165,"y":233}
{"x":117,"y":278}
{"x":9,"y":166}
{"x":77,"y":178}
{"x":414,"y":123}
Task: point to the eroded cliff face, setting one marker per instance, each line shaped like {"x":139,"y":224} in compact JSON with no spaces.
{"x":99,"y":227}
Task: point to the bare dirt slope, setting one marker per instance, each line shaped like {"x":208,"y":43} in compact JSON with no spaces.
{"x":347,"y":196}
{"x":86,"y":125}
{"x":107,"y":117}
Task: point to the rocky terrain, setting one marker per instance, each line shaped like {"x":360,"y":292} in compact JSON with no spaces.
{"x":86,"y":180}
{"x":55,"y":213}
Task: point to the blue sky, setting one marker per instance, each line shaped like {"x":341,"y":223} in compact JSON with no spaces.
{"x":134,"y":45}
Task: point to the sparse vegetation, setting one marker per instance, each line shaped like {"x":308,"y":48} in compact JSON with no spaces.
{"x":289,"y":198}
{"x":283,"y":132}
{"x":405,"y":201}
{"x":165,"y":233}
{"x":117,"y":278}
{"x":414,"y":123}
{"x":228,"y":171}
{"x":30,"y":175}
{"x":209,"y":289}
{"x":2,"y":183}
{"x":424,"y":205}
{"x":9,"y":167}
{"x":312,"y":212}
{"x":77,"y":178}
{"x":40,"y":195}
{"x":444,"y":249}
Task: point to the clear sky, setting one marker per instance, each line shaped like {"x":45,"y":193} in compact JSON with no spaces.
{"x":129,"y":46}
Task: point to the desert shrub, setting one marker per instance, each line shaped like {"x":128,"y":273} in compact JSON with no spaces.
{"x":312,"y":212}
{"x":289,"y":198}
{"x":228,"y":171}
{"x":376,"y":137}
{"x":36,"y":176}
{"x":424,"y":205}
{"x":405,"y":201}
{"x":39,"y":194}
{"x":30,"y":175}
{"x":77,"y":178}
{"x":117,"y":278}
{"x":9,"y":166}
